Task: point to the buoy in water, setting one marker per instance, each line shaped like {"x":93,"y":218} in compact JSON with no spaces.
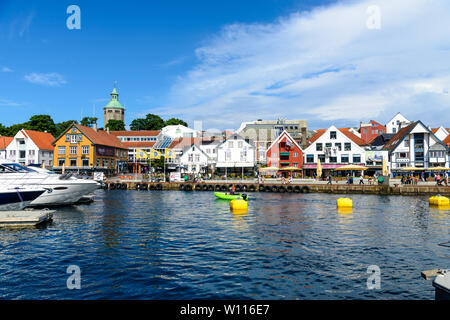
{"x":238,"y":204}
{"x":439,"y":201}
{"x":344,"y":202}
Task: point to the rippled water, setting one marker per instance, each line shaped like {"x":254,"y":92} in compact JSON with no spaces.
{"x":187,"y":245}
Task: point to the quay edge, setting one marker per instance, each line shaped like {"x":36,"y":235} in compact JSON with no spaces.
{"x":406,"y":190}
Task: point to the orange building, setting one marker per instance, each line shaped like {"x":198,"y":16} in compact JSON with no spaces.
{"x":87,"y":149}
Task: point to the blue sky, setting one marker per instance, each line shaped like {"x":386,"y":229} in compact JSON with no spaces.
{"x":224,"y":62}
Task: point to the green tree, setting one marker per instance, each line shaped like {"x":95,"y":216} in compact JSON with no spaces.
{"x":175,"y":121}
{"x":138,"y":124}
{"x":115,"y":125}
{"x":42,"y":122}
{"x":62,"y":126}
{"x":154,"y":122}
{"x":12,"y":130}
{"x":3,"y":130}
{"x":88,"y":121}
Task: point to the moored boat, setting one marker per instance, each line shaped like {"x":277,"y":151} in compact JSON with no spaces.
{"x":227,"y":196}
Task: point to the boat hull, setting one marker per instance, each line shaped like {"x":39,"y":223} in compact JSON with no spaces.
{"x":225,"y":196}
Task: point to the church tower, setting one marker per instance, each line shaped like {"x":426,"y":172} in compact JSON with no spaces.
{"x":113,"y":110}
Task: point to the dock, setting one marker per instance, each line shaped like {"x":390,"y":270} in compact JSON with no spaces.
{"x":24,"y":218}
{"x":340,"y":188}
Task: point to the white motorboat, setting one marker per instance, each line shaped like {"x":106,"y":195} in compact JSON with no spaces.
{"x":13,"y":198}
{"x":65,"y":189}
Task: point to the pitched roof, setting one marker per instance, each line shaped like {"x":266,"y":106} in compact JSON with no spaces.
{"x":5,"y":141}
{"x":138,"y":144}
{"x":182,"y":142}
{"x":43,"y":140}
{"x":393,"y":142}
{"x":281,"y":136}
{"x":345,"y":131}
{"x":142,"y":133}
{"x":101,"y":137}
{"x":447,"y":141}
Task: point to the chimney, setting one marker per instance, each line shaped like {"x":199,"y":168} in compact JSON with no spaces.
{"x":304,"y":138}
{"x":95,"y":126}
{"x":107,"y":130}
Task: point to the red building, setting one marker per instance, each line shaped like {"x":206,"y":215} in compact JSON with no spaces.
{"x":284,"y":152}
{"x":371,"y":130}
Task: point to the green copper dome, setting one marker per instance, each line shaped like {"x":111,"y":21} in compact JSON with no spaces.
{"x":114,"y":102}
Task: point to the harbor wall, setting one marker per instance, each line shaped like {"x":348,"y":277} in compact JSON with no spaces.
{"x":411,"y":190}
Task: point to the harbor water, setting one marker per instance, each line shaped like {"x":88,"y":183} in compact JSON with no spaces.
{"x":188,"y":245}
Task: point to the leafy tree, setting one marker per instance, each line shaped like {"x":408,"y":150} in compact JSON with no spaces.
{"x":138,"y":124}
{"x":12,"y":130}
{"x":88,"y":121}
{"x":3,"y":130}
{"x":154,"y":122}
{"x":42,"y":122}
{"x":115,"y":125}
{"x":175,"y":121}
{"x":62,"y":126}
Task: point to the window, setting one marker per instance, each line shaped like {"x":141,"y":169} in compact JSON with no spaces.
{"x":31,"y":152}
{"x":67,"y":137}
{"x":394,"y":130}
{"x":333,"y":159}
{"x":191,"y":158}
{"x":240,"y":144}
{"x":230,"y":144}
{"x":356,"y":158}
{"x":347,"y":146}
{"x":338,"y":145}
{"x":61,"y":162}
{"x":197,"y":158}
{"x":328,"y":145}
{"x":72,"y":150}
{"x":21,"y":154}
{"x":403,"y":155}
{"x":85,"y":162}
{"x":310,"y":158}
{"x":321,"y":157}
{"x":85,"y":150}
{"x":318,"y":147}
{"x":61,"y":150}
{"x":295,"y":165}
{"x":295,"y":154}
{"x":406,"y":143}
{"x":344,"y":158}
{"x":73,"y":162}
{"x":73,"y":139}
{"x":332,"y":134}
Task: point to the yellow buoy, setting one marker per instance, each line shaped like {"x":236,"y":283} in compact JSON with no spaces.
{"x":439,"y":201}
{"x":238,"y":204}
{"x":432,"y":200}
{"x":344,"y":202}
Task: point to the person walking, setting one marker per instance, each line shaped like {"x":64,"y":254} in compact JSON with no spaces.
{"x":361,"y":180}
{"x":330,"y":179}
{"x":446,"y":178}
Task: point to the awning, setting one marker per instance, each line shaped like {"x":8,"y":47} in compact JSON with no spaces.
{"x":353,"y":167}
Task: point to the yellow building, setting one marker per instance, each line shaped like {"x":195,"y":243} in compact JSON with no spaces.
{"x":83,"y":148}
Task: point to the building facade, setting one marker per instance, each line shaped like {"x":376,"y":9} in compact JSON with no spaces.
{"x":371,"y":130}
{"x":86,"y":149}
{"x":396,"y":123}
{"x":284,"y":152}
{"x":4,"y":142}
{"x":31,"y":147}
{"x":334,"y":148}
{"x":415,"y":146}
{"x":236,"y":155}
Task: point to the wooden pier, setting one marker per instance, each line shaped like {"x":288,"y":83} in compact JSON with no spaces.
{"x":410,"y":190}
{"x":24,"y":218}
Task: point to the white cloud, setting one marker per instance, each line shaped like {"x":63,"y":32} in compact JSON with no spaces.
{"x":6,"y":69}
{"x":323,"y":65}
{"x":47,"y":79}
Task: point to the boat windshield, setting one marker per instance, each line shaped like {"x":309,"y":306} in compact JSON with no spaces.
{"x":17,"y":167}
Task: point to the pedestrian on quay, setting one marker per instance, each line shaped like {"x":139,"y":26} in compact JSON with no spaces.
{"x":446,"y":178}
{"x":330,"y":179}
{"x":361,"y":180}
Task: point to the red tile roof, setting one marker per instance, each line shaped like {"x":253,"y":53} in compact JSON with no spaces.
{"x":345,"y":131}
{"x":143,"y":133}
{"x":5,"y":141}
{"x":101,"y":137}
{"x":43,"y":140}
{"x":447,"y":141}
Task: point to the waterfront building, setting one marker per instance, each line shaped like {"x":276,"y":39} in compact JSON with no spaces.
{"x":263,"y":133}
{"x":31,"y":147}
{"x":416,"y":146}
{"x":441,"y":133}
{"x":335,"y":148}
{"x":182,"y":145}
{"x":236,"y":155}
{"x":143,"y":140}
{"x":284,"y":153}
{"x":114,"y":110}
{"x":396,"y":123}
{"x":4,"y":142}
{"x":86,"y":149}
{"x":194,"y":160}
{"x":369,"y":131}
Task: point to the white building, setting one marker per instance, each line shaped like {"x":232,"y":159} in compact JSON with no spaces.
{"x":194,"y":160}
{"x":441,"y":133}
{"x":143,"y":140}
{"x":396,"y":123}
{"x":236,"y":155}
{"x":178,"y":131}
{"x":335,"y":148}
{"x":31,"y":147}
{"x":416,"y":146}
